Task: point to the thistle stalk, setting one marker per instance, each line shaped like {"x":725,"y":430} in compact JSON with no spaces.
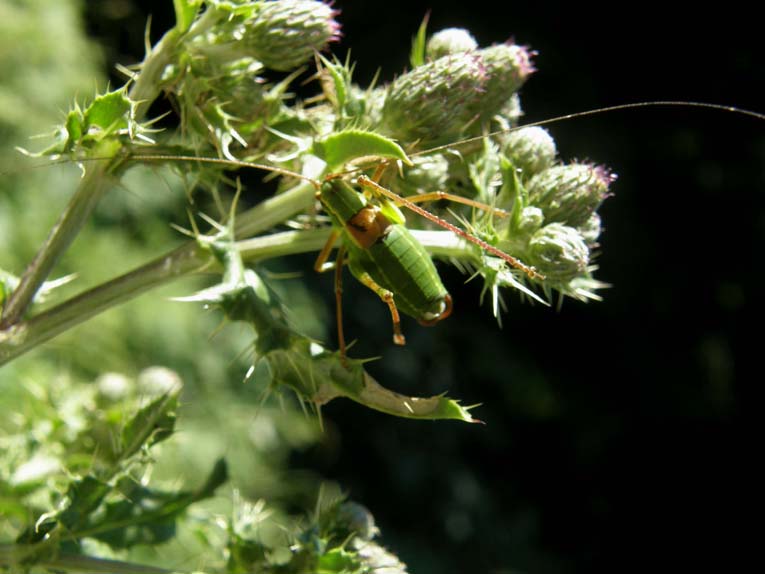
{"x":14,"y":555}
{"x":92,"y":186}
{"x":186,"y":260}
{"x":81,"y":205}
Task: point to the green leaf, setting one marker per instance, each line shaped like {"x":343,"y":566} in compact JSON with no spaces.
{"x":339,"y":148}
{"x":243,"y":295}
{"x":338,"y":561}
{"x":147,"y":516}
{"x":319,"y":376}
{"x":150,"y":425}
{"x":338,"y":90}
{"x":419,"y":42}
{"x":108,"y":111}
{"x":74,"y":127}
{"x":185,"y":11}
{"x":83,"y":496}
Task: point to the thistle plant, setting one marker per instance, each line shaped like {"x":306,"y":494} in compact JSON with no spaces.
{"x":214,"y":65}
{"x":217,"y":67}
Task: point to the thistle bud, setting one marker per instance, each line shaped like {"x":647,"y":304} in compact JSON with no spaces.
{"x":558,"y":252}
{"x":285,"y":34}
{"x":441,"y":99}
{"x":450,"y":41}
{"x":530,"y":149}
{"x":570,"y":194}
{"x":431,"y":102}
{"x":507,"y":66}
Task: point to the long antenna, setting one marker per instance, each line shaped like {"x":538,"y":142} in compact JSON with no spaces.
{"x":596,"y":111}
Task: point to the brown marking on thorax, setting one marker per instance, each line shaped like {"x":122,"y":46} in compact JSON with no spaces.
{"x":368,"y":226}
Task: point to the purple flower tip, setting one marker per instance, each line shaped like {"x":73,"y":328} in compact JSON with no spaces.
{"x":527,"y":65}
{"x":604,"y":175}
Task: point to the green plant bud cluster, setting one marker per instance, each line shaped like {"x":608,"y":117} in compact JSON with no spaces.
{"x":456,"y":93}
{"x":450,"y":41}
{"x":571,"y":193}
{"x":285,"y":35}
{"x":554,"y":224}
{"x":228,"y":103}
{"x":442,"y":99}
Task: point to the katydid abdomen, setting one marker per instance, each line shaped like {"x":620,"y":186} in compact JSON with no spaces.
{"x":399,"y":263}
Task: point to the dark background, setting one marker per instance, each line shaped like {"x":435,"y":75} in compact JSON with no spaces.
{"x":619,"y":435}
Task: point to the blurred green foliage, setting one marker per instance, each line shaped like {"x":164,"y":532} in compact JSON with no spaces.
{"x":63,"y":405}
{"x":66,"y":407}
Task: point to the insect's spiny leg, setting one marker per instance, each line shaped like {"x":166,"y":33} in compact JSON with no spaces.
{"x":387,"y":297}
{"x":339,"y":304}
{"x":531,"y":272}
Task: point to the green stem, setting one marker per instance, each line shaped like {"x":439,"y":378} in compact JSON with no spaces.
{"x":443,"y":244}
{"x":275,"y":210}
{"x":145,"y":90}
{"x":446,"y":245}
{"x":76,"y":214}
{"x":187,"y":259}
{"x":90,"y":565}
{"x":281,"y":244}
{"x":15,"y":556}
{"x":148,"y":83}
{"x":22,"y":337}
{"x":19,"y":338}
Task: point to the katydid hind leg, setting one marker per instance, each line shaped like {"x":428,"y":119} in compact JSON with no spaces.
{"x":387,"y":298}
{"x":339,"y":304}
